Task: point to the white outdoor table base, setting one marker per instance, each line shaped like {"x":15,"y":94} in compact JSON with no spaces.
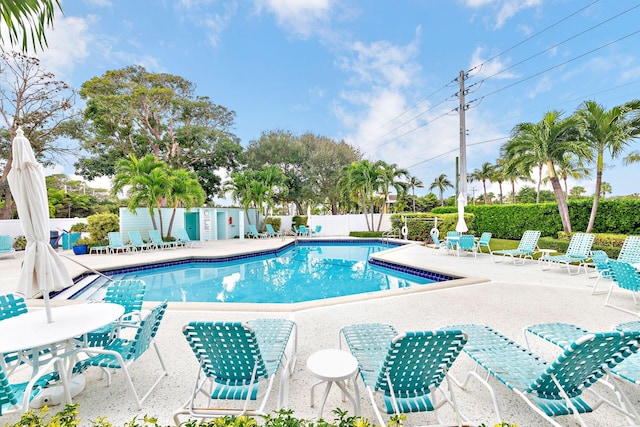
{"x":29,"y":333}
{"x":333,"y":366}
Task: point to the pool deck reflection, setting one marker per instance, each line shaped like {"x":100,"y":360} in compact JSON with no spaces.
{"x":501,"y":295}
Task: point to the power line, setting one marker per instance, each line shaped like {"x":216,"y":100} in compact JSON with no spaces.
{"x":533,"y":36}
{"x":456,"y":149}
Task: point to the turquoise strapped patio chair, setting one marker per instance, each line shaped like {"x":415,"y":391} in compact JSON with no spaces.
{"x":239,"y":362}
{"x":16,"y":397}
{"x":303,"y":231}
{"x":483,"y":242}
{"x":630,"y":251}
{"x":271,"y":232}
{"x":130,"y":295}
{"x":440,"y":244}
{"x":579,"y":251}
{"x":6,"y":246}
{"x":136,"y":240}
{"x":314,"y":232}
{"x":626,"y":277}
{"x":600,"y":262}
{"x":550,"y":389}
{"x":526,"y":248}
{"x":406,"y":370}
{"x":185,"y":240}
{"x":116,"y":244}
{"x":466,"y":243}
{"x":563,"y":334}
{"x":10,"y":306}
{"x":121,"y":353}
{"x":253,"y":231}
{"x":156,"y":239}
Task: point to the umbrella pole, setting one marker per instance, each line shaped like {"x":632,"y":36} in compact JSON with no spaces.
{"x":47,"y":307}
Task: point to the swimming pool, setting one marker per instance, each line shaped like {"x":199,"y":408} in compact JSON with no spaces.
{"x":300,"y":272}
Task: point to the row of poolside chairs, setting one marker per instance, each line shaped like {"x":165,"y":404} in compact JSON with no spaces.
{"x":411,"y":371}
{"x":136,"y":242}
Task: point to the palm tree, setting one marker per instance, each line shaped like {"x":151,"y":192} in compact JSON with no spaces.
{"x":633,"y":157}
{"x":570,"y":166}
{"x":185,"y":191}
{"x":27,"y":20}
{"x":550,"y":139}
{"x":499,"y":176}
{"x":414,"y":182}
{"x":441,"y":183}
{"x":608,"y":130}
{"x":521,"y":157}
{"x":605,"y":188}
{"x":148,"y":182}
{"x":363,"y":181}
{"x":391,"y":176}
{"x":483,"y":174}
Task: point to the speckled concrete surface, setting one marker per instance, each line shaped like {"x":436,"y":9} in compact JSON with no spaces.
{"x":505,"y":297}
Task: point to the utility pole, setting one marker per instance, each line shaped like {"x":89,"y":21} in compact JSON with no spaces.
{"x":462,"y":195}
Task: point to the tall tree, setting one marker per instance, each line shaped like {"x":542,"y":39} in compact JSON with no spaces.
{"x":133,"y":111}
{"x":570,"y":167}
{"x":391,"y":176}
{"x":184,"y":191}
{"x":363,"y":180}
{"x":414,"y":182}
{"x":26,"y":21}
{"x":483,"y":174}
{"x":550,"y":139}
{"x":32,"y":98}
{"x":607,"y":130}
{"x":441,"y":183}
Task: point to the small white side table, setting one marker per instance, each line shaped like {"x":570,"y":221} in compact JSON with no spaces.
{"x":545,"y":253}
{"x":334,"y":367}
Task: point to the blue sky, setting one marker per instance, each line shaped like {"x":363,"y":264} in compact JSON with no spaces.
{"x":377,"y":74}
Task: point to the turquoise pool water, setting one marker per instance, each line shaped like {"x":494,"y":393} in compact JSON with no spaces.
{"x":305,"y":272}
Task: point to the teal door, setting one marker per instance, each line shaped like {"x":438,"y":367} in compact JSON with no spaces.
{"x":192,"y":224}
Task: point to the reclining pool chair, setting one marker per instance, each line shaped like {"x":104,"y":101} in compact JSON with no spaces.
{"x":156,"y":239}
{"x":130,"y":295}
{"x":626,"y":277}
{"x":235,"y":359}
{"x":185,"y":240}
{"x":121,"y":353}
{"x":440,"y":244}
{"x":579,"y":251}
{"x":563,"y":334}
{"x":272,"y":232}
{"x":406,"y":370}
{"x":136,"y":240}
{"x":550,"y":389}
{"x":526,"y":248}
{"x":117,"y":245}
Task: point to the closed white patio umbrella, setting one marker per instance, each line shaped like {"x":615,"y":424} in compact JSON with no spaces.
{"x":461,"y":226}
{"x":42,"y":269}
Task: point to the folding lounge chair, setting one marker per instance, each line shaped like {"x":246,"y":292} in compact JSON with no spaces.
{"x":600,"y":261}
{"x":130,"y":295}
{"x":579,"y":251}
{"x":136,"y":240}
{"x":630,"y":251}
{"x":6,"y":246}
{"x":405,"y":370}
{"x":185,"y":240}
{"x":121,"y":353}
{"x":271,"y":232}
{"x":315,"y":231}
{"x":239,"y":361}
{"x":255,"y":233}
{"x":626,"y":277}
{"x":550,"y":389}
{"x":117,"y":245}
{"x":303,"y":231}
{"x":526,"y":248}
{"x":563,"y":334}
{"x":156,"y":239}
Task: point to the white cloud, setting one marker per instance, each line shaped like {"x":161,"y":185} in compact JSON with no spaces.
{"x":68,"y":45}
{"x":543,"y":85}
{"x":493,"y":68}
{"x":302,"y":18}
{"x":503,"y":9}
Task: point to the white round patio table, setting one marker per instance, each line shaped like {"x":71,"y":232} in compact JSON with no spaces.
{"x":332,"y":366}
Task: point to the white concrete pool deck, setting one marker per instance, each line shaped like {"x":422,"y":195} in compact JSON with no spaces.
{"x":504,"y":296}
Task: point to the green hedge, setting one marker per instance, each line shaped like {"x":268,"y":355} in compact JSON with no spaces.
{"x":420,"y":224}
{"x":616,"y":216}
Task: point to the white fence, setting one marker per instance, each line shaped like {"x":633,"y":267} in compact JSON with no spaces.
{"x":341,"y":225}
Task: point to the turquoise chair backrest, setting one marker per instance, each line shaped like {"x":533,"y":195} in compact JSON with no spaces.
{"x":435,"y":238}
{"x":6,"y":242}
{"x":7,"y":395}
{"x":155,"y":237}
{"x":484,"y":238}
{"x":11,"y":306}
{"x":466,"y":242}
{"x":580,"y":245}
{"x":183,"y":235}
{"x":115,"y":239}
{"x":147,"y":331}
{"x":529,"y":241}
{"x":418,"y":361}
{"x":270,"y":229}
{"x":625,"y":275}
{"x":630,"y":251}
{"x":136,"y":238}
{"x":585,"y":361}
{"x":600,"y":259}
{"x":127,"y":293}
{"x":303,"y":230}
{"x":453,"y":233}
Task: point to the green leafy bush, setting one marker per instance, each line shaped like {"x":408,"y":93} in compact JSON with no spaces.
{"x":100,"y":225}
